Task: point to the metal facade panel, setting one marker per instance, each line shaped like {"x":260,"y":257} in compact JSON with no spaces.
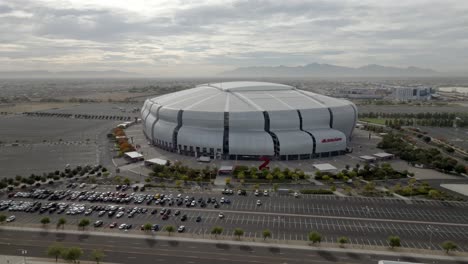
{"x":203,"y":119}
{"x":246,"y":121}
{"x":284,"y":120}
{"x":203,"y":138}
{"x":329,"y":140}
{"x":315,"y":118}
{"x":250,"y":143}
{"x":149,"y":125}
{"x":163,"y":130}
{"x":344,"y":119}
{"x":294,"y":142}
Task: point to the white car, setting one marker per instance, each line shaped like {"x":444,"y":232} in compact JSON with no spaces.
{"x":221,"y":200}
{"x":256,"y":193}
{"x":259,"y":202}
{"x":296,"y":194}
{"x":179,"y":195}
{"x":11,"y":219}
{"x":119,"y":214}
{"x":122,"y":226}
{"x":265,"y":193}
{"x":181,"y":229}
{"x":221,"y":215}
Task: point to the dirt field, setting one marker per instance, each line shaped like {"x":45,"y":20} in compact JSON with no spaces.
{"x":30,"y":107}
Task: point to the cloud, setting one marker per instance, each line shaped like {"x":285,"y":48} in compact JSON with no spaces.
{"x":209,"y":36}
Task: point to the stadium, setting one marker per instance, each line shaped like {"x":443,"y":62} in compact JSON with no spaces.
{"x":247,"y":120}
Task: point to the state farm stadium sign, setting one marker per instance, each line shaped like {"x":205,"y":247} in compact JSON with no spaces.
{"x":328,"y":140}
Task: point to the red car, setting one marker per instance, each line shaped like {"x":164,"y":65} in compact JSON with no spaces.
{"x":112,"y":225}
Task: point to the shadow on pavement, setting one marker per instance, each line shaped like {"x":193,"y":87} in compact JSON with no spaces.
{"x":353,"y":255}
{"x":246,"y":248}
{"x":83,"y":237}
{"x":173,"y":243}
{"x":223,"y":246}
{"x":274,"y":250}
{"x":150,"y":242}
{"x":327,"y":255}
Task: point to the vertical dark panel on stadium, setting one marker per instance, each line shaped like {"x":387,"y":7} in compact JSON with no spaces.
{"x":310,"y":134}
{"x":176,"y":129}
{"x":331,"y":117}
{"x":226,"y":134}
{"x":276,"y":143}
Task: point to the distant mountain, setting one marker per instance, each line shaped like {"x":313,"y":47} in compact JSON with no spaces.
{"x":320,"y":70}
{"x":66,"y":74}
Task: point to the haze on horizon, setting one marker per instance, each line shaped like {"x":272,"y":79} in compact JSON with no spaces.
{"x":200,"y":38}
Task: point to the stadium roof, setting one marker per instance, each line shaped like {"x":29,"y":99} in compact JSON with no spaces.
{"x":245,"y":97}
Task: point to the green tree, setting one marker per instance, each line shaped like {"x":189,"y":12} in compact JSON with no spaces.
{"x":449,"y":246}
{"x":72,"y":254}
{"x":343,"y":240}
{"x":228,"y":181}
{"x":269,"y":177}
{"x":55,"y":251}
{"x":61,"y":222}
{"x":394,"y":241}
{"x":238,"y":232}
{"x":2,"y":218}
{"x":147,"y":227}
{"x":45,"y":221}
{"x":83,"y":223}
{"x":216,"y":230}
{"x":169,"y":229}
{"x":97,"y":255}
{"x":127,"y":181}
{"x":460,"y":169}
{"x":185,"y":178}
{"x":275,"y":187}
{"x":178,"y":183}
{"x":315,"y":237}
{"x":266,"y":234}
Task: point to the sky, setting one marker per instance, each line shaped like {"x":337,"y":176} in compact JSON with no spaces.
{"x":206,"y":37}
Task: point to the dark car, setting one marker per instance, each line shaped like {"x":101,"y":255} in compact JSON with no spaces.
{"x":154,"y":211}
{"x":165,"y":217}
{"x":198,"y":219}
{"x":183,"y":218}
{"x":155,"y":227}
{"x":177,"y":212}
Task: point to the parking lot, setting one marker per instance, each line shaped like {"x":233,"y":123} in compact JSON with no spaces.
{"x":365,"y":221}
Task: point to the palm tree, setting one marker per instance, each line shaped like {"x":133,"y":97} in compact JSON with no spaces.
{"x":55,"y":250}
{"x":266,"y":234}
{"x":315,"y":237}
{"x":169,"y":229}
{"x":45,"y":221}
{"x":61,"y":222}
{"x":97,"y":255}
{"x":217,"y":230}
{"x":343,"y":240}
{"x":238,"y":232}
{"x":2,"y":218}
{"x":83,"y":223}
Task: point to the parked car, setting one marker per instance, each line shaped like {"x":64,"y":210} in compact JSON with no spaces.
{"x":181,"y":229}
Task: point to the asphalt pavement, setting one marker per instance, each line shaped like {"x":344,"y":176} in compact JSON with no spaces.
{"x":149,"y":249}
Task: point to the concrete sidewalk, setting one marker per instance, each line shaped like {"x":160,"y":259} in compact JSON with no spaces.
{"x":397,"y":252}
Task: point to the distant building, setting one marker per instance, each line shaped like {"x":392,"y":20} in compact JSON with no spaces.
{"x":410,"y":93}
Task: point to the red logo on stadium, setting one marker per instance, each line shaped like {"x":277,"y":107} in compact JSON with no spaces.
{"x":328,"y":140}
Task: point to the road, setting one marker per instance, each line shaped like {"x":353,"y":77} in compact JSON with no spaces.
{"x":152,"y":250}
